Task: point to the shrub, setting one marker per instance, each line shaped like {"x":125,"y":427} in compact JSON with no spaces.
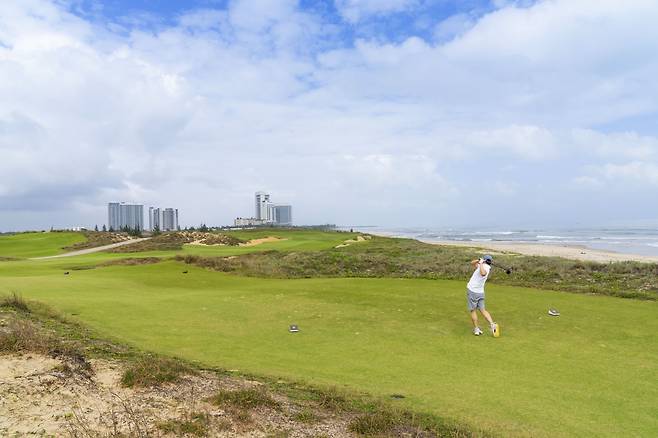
{"x":154,"y":371}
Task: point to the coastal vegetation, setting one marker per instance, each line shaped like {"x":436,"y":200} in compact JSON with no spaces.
{"x":406,"y":258}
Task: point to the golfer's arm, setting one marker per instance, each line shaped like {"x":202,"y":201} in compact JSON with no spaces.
{"x":483,"y":271}
{"x":475,"y":262}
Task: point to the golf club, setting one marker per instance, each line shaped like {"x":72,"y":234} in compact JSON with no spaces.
{"x":508,"y":271}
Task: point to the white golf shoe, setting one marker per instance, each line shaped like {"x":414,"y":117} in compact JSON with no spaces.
{"x":477,"y":331}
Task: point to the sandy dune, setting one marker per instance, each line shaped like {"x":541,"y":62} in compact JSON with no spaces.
{"x":550,"y":250}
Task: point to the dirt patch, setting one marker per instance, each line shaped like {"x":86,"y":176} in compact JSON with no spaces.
{"x":36,"y":399}
{"x":255,"y":242}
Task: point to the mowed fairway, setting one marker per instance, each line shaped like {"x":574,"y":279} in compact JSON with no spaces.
{"x":590,"y":372}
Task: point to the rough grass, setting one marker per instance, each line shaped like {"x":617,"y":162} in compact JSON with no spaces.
{"x":404,"y":258}
{"x":154,"y":371}
{"x":389,"y":422}
{"x":131,"y":261}
{"x":15,"y":301}
{"x":306,"y":416}
{"x":195,"y":424}
{"x":95,"y":239}
{"x":22,"y":335}
{"x":173,"y":241}
{"x":245,"y":399}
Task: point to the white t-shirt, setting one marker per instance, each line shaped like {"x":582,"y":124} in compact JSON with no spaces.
{"x":476,"y":283}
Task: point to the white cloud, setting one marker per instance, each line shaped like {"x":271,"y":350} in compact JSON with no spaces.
{"x":227,"y":102}
{"x":636,"y":171}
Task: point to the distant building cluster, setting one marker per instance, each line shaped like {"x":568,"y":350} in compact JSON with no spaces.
{"x":122,"y":215}
{"x":267,"y":213}
{"x":163,"y":219}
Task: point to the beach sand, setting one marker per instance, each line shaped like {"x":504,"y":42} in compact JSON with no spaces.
{"x":552,"y":250}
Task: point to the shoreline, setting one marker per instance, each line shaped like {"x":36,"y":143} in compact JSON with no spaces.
{"x":573,"y":252}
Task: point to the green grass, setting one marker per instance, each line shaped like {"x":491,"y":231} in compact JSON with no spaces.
{"x":24,"y":245}
{"x":590,"y":372}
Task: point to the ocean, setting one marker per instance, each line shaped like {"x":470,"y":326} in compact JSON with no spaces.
{"x":640,"y":241}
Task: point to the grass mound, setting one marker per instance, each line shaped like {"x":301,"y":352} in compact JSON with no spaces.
{"x":94,"y":239}
{"x":154,"y":371}
{"x":175,"y":240}
{"x":404,"y":258}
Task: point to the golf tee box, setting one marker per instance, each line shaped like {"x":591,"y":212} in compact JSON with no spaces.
{"x":293,"y":328}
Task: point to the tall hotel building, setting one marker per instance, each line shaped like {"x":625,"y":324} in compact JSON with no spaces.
{"x":122,"y":215}
{"x":262,"y":206}
{"x":163,"y":219}
{"x":270,"y":213}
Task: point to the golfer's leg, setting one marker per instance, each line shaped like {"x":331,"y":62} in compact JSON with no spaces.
{"x":474,"y":318}
{"x":486,"y":315}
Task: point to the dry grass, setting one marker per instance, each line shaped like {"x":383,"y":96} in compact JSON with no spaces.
{"x":245,"y":399}
{"x":132,"y":261}
{"x":24,"y":336}
{"x":15,"y":301}
{"x":195,"y":424}
{"x":96,"y":239}
{"x":154,"y":371}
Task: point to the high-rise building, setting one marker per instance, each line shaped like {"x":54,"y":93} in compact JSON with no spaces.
{"x":122,"y":215}
{"x":281,"y":214}
{"x":267,"y":213}
{"x":262,"y":205}
{"x":163,"y":219}
{"x":155,"y":222}
{"x":170,"y":219}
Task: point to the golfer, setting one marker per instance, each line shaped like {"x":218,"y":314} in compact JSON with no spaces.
{"x":475,"y":294}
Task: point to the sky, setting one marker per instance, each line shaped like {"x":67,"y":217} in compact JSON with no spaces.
{"x":398,"y":113}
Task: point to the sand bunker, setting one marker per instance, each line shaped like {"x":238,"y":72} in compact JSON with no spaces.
{"x":358,"y":239}
{"x":255,"y":242}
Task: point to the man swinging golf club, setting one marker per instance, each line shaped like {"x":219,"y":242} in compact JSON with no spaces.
{"x":475,"y":294}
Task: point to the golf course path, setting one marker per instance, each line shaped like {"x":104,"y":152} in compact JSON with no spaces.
{"x":92,"y":250}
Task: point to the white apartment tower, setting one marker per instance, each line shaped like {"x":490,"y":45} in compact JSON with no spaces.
{"x":163,"y":219}
{"x":122,"y":215}
{"x":262,"y":206}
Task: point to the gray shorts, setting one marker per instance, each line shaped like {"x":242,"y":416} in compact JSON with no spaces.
{"x":475,"y":301}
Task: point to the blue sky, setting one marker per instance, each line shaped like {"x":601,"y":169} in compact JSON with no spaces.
{"x":385,"y":112}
